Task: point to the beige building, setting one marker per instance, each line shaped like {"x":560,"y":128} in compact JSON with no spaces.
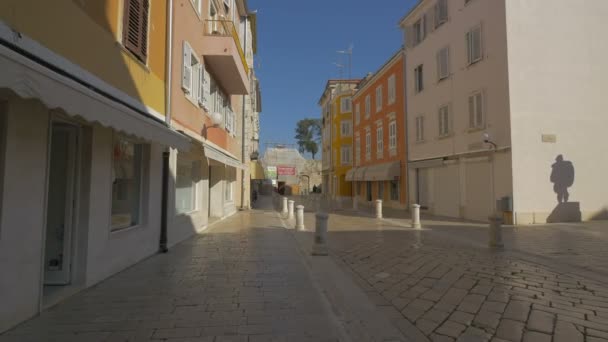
{"x":530,"y":75}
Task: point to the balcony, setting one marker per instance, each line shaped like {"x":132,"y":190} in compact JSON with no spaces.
{"x":225,"y":57}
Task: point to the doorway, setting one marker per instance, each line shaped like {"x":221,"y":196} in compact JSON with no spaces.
{"x":60,"y":211}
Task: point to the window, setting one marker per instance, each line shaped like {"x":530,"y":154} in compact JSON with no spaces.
{"x":392,"y":136}
{"x":443,"y":63}
{"x":185,"y":185}
{"x":418,"y":79}
{"x":474,"y":45}
{"x":135,"y":27}
{"x":420,"y":128}
{"x":345,"y":155}
{"x":368,"y":145}
{"x":193,"y":76}
{"x":378,"y":98}
{"x":220,"y":102}
{"x":379,"y":142}
{"x":381,"y":190}
{"x":345,"y":128}
{"x":394,"y":190}
{"x":476,"y":110}
{"x":197,"y":5}
{"x":346,"y":105}
{"x":419,"y":31}
{"x":392,"y":91}
{"x":229,"y":184}
{"x":127,"y":163}
{"x":444,"y":121}
{"x":357,"y":114}
{"x":441,"y":12}
{"x":357,"y":150}
{"x":230,"y":121}
{"x":368,"y":105}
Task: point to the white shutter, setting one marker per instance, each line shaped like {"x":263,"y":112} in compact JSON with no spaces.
{"x":476,"y":44}
{"x":469,"y":48}
{"x":187,"y":68}
{"x":206,"y":89}
{"x":200,"y":72}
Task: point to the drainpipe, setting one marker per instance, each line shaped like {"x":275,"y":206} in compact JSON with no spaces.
{"x":243,"y":120}
{"x":408,"y":199}
{"x":167,"y":152}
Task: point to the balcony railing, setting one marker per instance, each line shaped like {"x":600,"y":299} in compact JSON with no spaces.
{"x":226,"y":28}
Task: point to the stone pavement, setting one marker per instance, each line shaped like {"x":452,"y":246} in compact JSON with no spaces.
{"x":243,"y":280}
{"x":446,"y":282}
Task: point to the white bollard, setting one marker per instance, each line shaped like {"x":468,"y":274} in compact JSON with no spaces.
{"x":416,"y":216}
{"x":378,"y":209}
{"x":495,"y":232}
{"x":290,"y":211}
{"x":300,"y":217}
{"x":319,"y":246}
{"x":285,"y":205}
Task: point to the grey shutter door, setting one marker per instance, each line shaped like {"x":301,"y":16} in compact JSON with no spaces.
{"x":187,"y":68}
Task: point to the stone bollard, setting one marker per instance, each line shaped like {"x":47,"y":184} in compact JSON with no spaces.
{"x":285,"y":210}
{"x":495,"y":232}
{"x":378,"y":209}
{"x":300,"y":217}
{"x":416,"y":216}
{"x":290,"y":211}
{"x":319,"y":247}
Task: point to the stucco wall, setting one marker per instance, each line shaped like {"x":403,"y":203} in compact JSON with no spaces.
{"x":558,"y":72}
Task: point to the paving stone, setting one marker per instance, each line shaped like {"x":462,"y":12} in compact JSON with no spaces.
{"x":510,"y":330}
{"x":473,"y":334}
{"x":426,"y":326}
{"x":441,"y":338}
{"x":595,"y":339}
{"x":462,"y":317}
{"x":471,"y":303}
{"x":491,"y":306}
{"x":541,"y":321}
{"x":452,"y":329}
{"x":517,"y":310}
{"x":436,"y":316}
{"x":567,"y":332}
{"x":176,"y":332}
{"x":487,"y":319}
{"x":535,"y":336}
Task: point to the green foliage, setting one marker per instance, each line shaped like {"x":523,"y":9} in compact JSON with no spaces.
{"x":308,"y":135}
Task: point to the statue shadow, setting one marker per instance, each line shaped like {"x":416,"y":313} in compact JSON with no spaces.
{"x":562,"y":177}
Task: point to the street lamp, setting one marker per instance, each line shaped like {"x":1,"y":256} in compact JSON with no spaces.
{"x":216,"y":119}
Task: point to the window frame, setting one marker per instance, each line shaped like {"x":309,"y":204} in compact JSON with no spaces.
{"x":419,"y":29}
{"x":419,"y":79}
{"x":443,"y":52}
{"x":345,"y":150}
{"x":194,"y":185}
{"x":392,"y":89}
{"x":469,"y":45}
{"x":419,"y":128}
{"x":444,"y":121}
{"x":368,"y":105}
{"x":392,"y":135}
{"x":477,"y":120}
{"x":368,"y":145}
{"x":138,"y":51}
{"x":379,"y":141}
{"x":141,"y":178}
{"x":357,"y":113}
{"x":349,"y":129}
{"x":379,"y":98}
{"x":349,"y":107}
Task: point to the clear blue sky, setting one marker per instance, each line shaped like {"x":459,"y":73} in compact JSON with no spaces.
{"x":297,"y":44}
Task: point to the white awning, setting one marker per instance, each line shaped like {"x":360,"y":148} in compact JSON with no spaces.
{"x":60,"y":84}
{"x":221,"y":157}
{"x":350,"y":174}
{"x":383,"y":172}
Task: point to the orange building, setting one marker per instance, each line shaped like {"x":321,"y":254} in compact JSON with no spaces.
{"x":379,"y":170}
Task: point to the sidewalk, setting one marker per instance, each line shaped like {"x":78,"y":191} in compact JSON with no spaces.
{"x":243,"y":280}
{"x":446,"y":282}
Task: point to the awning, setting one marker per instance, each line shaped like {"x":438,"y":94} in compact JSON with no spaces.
{"x":60,"y":84}
{"x":221,"y":157}
{"x":383,"y":172}
{"x":359,"y":174}
{"x":350,"y":174}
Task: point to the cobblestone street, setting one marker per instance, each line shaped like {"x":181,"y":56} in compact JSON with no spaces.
{"x":445,"y":281}
{"x":243,"y":280}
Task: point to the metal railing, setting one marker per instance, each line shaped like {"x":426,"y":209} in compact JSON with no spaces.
{"x":226,"y":28}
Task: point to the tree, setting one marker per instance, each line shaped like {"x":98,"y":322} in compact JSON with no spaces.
{"x":308,"y":135}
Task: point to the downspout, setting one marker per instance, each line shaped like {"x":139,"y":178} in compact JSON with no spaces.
{"x":243,"y":121}
{"x":167,"y":152}
{"x":408,"y":199}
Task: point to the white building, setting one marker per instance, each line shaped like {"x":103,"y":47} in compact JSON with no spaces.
{"x":530,"y":74}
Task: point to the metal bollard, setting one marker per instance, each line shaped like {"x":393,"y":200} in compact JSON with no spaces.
{"x":495,"y":232}
{"x":290,"y":211}
{"x":416,"y":216}
{"x":300,"y":217}
{"x":319,"y":247}
{"x":284,"y":205}
{"x":378,"y":209}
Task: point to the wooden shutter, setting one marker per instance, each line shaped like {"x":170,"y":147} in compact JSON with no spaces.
{"x":135,"y":27}
{"x":187,"y":68}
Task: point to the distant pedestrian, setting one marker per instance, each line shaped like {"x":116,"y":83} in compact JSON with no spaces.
{"x":314,"y":189}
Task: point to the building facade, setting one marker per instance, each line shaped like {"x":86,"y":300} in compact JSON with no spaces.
{"x":380,"y":159}
{"x":494,"y":115}
{"x":337,"y":137}
{"x":212,"y":76}
{"x":84,"y":125}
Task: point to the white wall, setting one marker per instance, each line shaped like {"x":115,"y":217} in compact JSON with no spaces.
{"x":23,"y":214}
{"x":110,"y":252}
{"x":558,"y":69}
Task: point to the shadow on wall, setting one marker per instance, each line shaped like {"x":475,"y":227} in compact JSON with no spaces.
{"x":562,"y":177}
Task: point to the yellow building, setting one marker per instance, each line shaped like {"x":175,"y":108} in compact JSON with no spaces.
{"x":337,"y":137}
{"x":82,"y":145}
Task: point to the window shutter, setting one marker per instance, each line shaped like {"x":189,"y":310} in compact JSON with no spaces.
{"x":201,"y":84}
{"x":471,"y":111}
{"x":135,"y":27}
{"x":479,"y":112}
{"x":469,"y":48}
{"x":143,"y":48}
{"x":429,"y":21}
{"x":187,"y":68}
{"x":206,"y":89}
{"x":476,"y":43}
